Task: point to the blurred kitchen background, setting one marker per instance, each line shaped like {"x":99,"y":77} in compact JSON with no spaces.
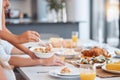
{"x":94,"y":19}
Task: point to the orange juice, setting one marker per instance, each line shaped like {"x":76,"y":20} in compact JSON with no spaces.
{"x":88,"y":76}
{"x":74,"y":38}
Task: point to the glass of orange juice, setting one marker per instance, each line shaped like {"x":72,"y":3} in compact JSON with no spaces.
{"x":87,"y":72}
{"x":75,"y":37}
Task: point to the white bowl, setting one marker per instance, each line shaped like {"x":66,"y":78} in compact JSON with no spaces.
{"x":67,"y":53}
{"x":40,"y":54}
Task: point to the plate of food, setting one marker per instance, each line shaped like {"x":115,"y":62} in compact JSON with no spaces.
{"x":65,"y":72}
{"x":95,"y":55}
{"x":66,"y":52}
{"x":68,"y":71}
{"x":112,"y":67}
{"x":92,"y":60}
{"x":42,"y":52}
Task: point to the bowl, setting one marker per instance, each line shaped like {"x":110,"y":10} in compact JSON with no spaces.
{"x":41,"y":54}
{"x":67,"y":53}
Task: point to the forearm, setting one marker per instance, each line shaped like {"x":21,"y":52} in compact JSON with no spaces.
{"x":8,"y":36}
{"x":21,"y":61}
{"x":16,"y":51}
{"x":22,"y":48}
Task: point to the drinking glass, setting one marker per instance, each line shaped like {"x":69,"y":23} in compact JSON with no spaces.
{"x":75,"y":37}
{"x":87,"y":72}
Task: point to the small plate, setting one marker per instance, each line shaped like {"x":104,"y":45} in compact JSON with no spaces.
{"x":56,"y":73}
{"x":74,"y":72}
{"x":111,"y":71}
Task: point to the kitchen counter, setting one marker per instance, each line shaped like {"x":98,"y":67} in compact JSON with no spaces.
{"x":35,"y":22}
{"x":62,"y":29}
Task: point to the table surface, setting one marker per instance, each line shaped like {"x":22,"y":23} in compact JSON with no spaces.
{"x":41,"y":72}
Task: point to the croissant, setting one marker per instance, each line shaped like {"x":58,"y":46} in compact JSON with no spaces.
{"x":96,"y":51}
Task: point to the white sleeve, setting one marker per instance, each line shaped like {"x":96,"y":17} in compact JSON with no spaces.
{"x":3,"y":55}
{"x":7,"y":46}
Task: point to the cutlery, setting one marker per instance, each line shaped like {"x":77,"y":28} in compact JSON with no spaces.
{"x":42,"y":72}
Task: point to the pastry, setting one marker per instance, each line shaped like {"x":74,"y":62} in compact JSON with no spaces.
{"x":65,"y":70}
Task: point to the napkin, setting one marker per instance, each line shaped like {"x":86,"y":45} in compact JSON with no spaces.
{"x":103,"y":74}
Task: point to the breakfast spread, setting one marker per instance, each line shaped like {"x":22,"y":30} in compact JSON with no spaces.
{"x":94,"y":55}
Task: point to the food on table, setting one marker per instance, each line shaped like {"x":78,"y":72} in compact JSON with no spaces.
{"x":65,"y":70}
{"x":56,"y":42}
{"x":92,"y":60}
{"x":113,"y":66}
{"x":68,"y":44}
{"x":60,"y":42}
{"x":96,"y":51}
{"x":46,"y":49}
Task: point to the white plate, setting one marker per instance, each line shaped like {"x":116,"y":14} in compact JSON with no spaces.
{"x":111,"y":71}
{"x":56,"y":73}
{"x":117,"y":56}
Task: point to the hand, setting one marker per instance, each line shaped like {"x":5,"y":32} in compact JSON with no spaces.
{"x":53,"y":61}
{"x":28,"y":36}
{"x":32,"y":55}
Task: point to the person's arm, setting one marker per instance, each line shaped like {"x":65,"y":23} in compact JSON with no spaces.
{"x":2,"y":75}
{"x":22,"y":61}
{"x":16,"y":51}
{"x":18,"y":61}
{"x":28,"y":36}
{"x":12,"y":39}
{"x":25,"y":50}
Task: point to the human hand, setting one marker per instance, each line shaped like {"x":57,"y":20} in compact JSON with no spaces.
{"x":32,"y":55}
{"x":28,"y":36}
{"x":52,"y":61}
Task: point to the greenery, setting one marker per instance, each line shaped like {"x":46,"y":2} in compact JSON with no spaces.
{"x":56,"y":4}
